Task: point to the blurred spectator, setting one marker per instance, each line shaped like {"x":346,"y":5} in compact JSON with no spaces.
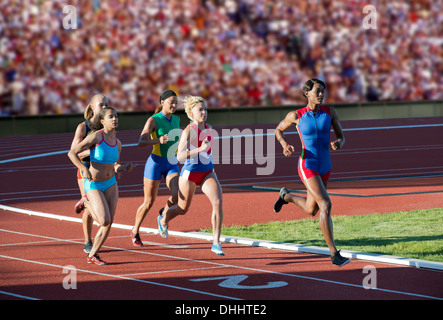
{"x":233,"y":53}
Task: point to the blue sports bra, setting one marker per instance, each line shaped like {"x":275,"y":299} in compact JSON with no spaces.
{"x":103,"y":152}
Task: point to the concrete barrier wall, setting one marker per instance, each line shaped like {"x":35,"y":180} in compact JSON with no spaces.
{"x":29,"y":125}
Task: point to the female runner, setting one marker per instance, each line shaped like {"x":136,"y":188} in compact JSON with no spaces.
{"x":163,"y":159}
{"x":100,"y":181}
{"x":195,"y":147}
{"x":314,"y":166}
{"x":83,"y":130}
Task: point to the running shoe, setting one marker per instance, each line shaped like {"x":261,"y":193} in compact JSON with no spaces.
{"x":88,"y":246}
{"x":280,"y":202}
{"x":217,"y":248}
{"x":136,"y":241}
{"x":163,"y":232}
{"x":338,"y":260}
{"x":80,"y":206}
{"x":95,"y":259}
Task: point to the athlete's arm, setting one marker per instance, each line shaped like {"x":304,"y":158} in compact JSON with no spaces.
{"x":145,"y":137}
{"x":289,"y":120}
{"x":85,"y":144}
{"x":340,"y":141}
{"x":118,"y":167}
{"x":183,"y":150}
{"x":78,"y":137}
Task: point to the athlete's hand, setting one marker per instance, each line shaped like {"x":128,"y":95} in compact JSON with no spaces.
{"x":163,"y":139}
{"x":129,"y":167}
{"x":337,"y":144}
{"x":288,"y":150}
{"x":205,"y":146}
{"x":87,"y":174}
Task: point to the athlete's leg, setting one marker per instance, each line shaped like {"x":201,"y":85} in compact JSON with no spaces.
{"x":317,"y":192}
{"x":212,"y":189}
{"x":185,"y":195}
{"x":86,"y":218}
{"x":102,"y":215}
{"x":150,"y":188}
{"x":172,"y":184}
{"x":307,"y":204}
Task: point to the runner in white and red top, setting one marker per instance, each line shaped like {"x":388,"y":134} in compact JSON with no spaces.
{"x":195,"y":146}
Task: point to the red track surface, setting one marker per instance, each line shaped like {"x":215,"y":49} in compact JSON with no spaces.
{"x":384,"y":170}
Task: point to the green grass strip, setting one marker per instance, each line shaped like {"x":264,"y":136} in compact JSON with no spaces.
{"x":414,"y":234}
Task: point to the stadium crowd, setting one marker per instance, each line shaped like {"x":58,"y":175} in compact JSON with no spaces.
{"x":233,"y":52}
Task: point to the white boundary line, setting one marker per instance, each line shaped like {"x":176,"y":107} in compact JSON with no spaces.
{"x":256,"y":242}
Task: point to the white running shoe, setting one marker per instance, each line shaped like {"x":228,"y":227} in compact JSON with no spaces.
{"x":163,"y":232}
{"x":217,"y":248}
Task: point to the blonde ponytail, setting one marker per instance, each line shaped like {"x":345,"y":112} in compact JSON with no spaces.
{"x":89,"y":111}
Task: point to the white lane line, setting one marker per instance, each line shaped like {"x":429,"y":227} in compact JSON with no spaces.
{"x":80,"y":241}
{"x":170,"y":271}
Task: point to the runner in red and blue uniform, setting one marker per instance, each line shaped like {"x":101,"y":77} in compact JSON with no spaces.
{"x":313,"y":124}
{"x":195,"y":146}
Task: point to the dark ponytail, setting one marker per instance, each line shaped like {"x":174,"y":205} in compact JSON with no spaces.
{"x":158,"y":109}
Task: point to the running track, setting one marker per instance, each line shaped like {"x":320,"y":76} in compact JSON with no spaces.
{"x":386,"y":165}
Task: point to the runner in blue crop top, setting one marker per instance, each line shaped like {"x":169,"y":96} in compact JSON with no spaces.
{"x":100,"y":181}
{"x":83,"y":130}
{"x":104,"y":152}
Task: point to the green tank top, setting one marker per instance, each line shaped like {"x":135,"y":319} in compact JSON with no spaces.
{"x":164,"y":125}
